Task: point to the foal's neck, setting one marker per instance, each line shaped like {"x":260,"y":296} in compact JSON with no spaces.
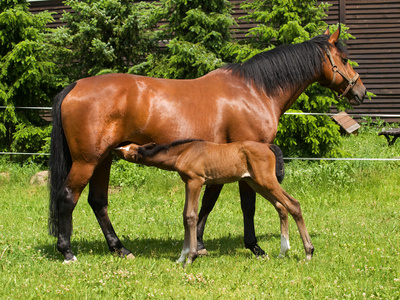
{"x":164,"y":159}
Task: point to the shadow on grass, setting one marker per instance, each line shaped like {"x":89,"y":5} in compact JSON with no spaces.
{"x":168,"y":248}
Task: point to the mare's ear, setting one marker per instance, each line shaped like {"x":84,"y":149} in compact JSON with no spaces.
{"x":327,"y":31}
{"x":334,"y":37}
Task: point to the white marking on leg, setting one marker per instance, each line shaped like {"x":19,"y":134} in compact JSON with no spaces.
{"x":66,"y":262}
{"x":123,"y":148}
{"x":285,"y":246}
{"x":184,"y":254}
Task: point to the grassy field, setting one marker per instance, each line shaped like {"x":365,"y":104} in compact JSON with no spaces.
{"x":351,"y":210}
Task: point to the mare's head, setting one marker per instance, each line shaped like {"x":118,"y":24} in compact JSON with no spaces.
{"x":338,"y":75}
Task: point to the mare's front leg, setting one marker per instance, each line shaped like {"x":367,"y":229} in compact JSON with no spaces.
{"x":248,"y":204}
{"x":190,"y":218}
{"x":98,"y":200}
{"x":211,"y":195}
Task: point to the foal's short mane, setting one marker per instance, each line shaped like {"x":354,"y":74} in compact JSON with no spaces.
{"x":285,"y":66}
{"x":153,"y":149}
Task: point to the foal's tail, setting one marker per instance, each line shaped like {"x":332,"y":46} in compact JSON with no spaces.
{"x":279,"y":168}
{"x":60,"y":159}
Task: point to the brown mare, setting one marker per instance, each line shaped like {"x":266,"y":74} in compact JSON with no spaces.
{"x":201,"y":162}
{"x":239,"y":102}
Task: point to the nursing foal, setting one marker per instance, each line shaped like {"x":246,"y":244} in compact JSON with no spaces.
{"x":199,"y":162}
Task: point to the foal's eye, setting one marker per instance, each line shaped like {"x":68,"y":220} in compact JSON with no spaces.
{"x":345,"y":60}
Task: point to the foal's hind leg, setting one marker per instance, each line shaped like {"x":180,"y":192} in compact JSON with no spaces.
{"x":284,"y":221}
{"x":248,"y":204}
{"x":293,"y":207}
{"x":273,"y":192}
{"x":98,"y":200}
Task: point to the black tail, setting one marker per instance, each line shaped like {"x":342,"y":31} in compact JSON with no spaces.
{"x":60,"y":159}
{"x":279,"y":169}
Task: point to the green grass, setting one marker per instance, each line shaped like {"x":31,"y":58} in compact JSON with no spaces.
{"x":351,"y":210}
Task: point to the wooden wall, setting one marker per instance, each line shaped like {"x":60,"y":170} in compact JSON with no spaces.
{"x":374,"y":23}
{"x":55,"y":6}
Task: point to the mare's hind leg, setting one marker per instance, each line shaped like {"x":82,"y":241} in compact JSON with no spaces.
{"x":211,"y":195}
{"x":98,"y":200}
{"x":248,"y":204}
{"x":67,"y":199}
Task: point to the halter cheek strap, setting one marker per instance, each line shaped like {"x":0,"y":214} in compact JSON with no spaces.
{"x":351,"y":81}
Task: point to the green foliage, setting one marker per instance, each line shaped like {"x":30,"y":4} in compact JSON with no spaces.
{"x":197,"y":31}
{"x":124,"y":173}
{"x":106,"y":36}
{"x":28,"y":74}
{"x":284,"y":22}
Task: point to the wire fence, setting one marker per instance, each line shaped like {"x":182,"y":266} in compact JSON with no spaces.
{"x":286,"y":113}
{"x":285,"y":158}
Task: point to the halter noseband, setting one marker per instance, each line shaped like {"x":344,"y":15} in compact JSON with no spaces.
{"x":351,"y":81}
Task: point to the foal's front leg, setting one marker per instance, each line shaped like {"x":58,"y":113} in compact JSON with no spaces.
{"x":210,"y":196}
{"x":190,"y":218}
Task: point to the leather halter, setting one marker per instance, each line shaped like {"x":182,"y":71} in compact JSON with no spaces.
{"x":351,"y":81}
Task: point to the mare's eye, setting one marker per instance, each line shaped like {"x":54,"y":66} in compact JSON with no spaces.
{"x":345,"y":60}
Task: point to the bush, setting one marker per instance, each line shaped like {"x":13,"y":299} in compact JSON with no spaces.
{"x":106,"y":36}
{"x":29,"y":75}
{"x":197,"y":33}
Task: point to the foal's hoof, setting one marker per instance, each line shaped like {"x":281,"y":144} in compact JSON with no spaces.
{"x":310,"y":254}
{"x":202,"y":252}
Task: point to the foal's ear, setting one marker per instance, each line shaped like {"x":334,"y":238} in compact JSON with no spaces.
{"x":334,"y":37}
{"x":149,"y":146}
{"x":327,"y":31}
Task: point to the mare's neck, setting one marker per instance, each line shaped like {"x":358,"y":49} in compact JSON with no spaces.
{"x":286,"y":98}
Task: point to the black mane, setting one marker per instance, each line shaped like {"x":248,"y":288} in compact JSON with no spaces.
{"x":153,"y":149}
{"x":285,"y":66}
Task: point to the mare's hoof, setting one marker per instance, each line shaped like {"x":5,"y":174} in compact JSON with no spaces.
{"x":68,"y":261}
{"x":258,"y":252}
{"x":202,"y":252}
{"x":123,"y":253}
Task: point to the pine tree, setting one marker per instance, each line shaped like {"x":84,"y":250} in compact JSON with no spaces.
{"x":195,"y":36}
{"x":28,"y":76}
